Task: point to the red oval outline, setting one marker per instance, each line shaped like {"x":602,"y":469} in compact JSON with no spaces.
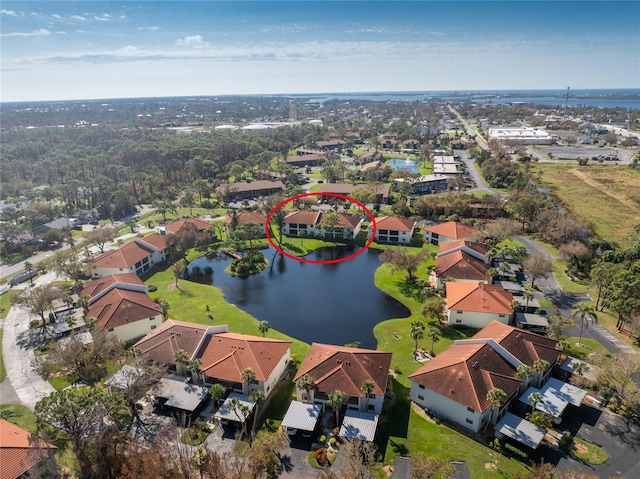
{"x":312,"y":261}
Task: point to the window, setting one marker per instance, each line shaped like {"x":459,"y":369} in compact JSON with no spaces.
{"x":501,"y":315}
{"x":421,"y":397}
{"x":421,"y":386}
{"x":458,"y":312}
{"x":471,"y":410}
{"x":154,"y":326}
{"x":469,"y":421}
{"x":458,"y":321}
{"x":111,"y":330}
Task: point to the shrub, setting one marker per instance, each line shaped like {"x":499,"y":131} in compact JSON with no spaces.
{"x":322,"y":439}
{"x":565,"y":439}
{"x":152,"y":288}
{"x":515,"y":450}
{"x":332,"y":441}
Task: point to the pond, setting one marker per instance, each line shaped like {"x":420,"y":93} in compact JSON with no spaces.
{"x":333,"y":304}
{"x":407,"y":164}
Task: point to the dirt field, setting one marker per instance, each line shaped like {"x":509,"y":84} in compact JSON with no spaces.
{"x":607,"y":197}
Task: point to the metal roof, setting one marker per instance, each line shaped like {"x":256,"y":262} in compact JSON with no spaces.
{"x":571,"y":364}
{"x":225,"y":412}
{"x":124,"y":377}
{"x":359,"y":425}
{"x":556,"y":395}
{"x":531,"y":319}
{"x":302,"y":415}
{"x":180,"y":394}
{"x":521,"y":430}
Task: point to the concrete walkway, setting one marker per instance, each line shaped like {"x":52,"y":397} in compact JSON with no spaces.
{"x":22,"y":384}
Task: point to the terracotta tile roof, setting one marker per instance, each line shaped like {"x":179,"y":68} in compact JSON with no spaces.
{"x":346,"y":369}
{"x":162,"y":343}
{"x":478,"y":297}
{"x":96,"y":286}
{"x":453,"y":230}
{"x":200,"y":225}
{"x":465,"y":373}
{"x":248,"y":216}
{"x":120,"y":306}
{"x":462,"y":266}
{"x":394,"y":223}
{"x":348,"y":221}
{"x":125,"y":256}
{"x":156,"y":240}
{"x":306,"y":157}
{"x":19,"y":450}
{"x":224,"y":356}
{"x":303,"y":217}
{"x":528,"y":347}
{"x":449,"y":245}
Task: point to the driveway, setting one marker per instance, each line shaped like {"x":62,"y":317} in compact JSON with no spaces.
{"x":618,"y":436}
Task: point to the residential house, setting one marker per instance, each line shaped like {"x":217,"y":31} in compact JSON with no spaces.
{"x":340,"y":368}
{"x":126,"y":280}
{"x":371,"y":156}
{"x":455,"y":383}
{"x":301,"y":222}
{"x":411,"y":145}
{"x":477,"y":304}
{"x":393,"y":229}
{"x":388,"y":142}
{"x":241,"y":191}
{"x":424,"y":185}
{"x":330,"y":145}
{"x":381,"y":192}
{"x":316,"y":159}
{"x":197,"y":223}
{"x":244,"y":217}
{"x":449,"y":231}
{"x":137,"y":256}
{"x":22,"y":455}
{"x":225,"y":356}
{"x":161,"y":344}
{"x":126,"y":312}
{"x":461,"y":260}
{"x":309,"y":223}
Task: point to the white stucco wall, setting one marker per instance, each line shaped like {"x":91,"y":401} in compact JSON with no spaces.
{"x":447,"y":408}
{"x":137,"y":329}
{"x":474,"y":319}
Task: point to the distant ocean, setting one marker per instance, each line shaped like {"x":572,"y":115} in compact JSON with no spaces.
{"x":623,"y":98}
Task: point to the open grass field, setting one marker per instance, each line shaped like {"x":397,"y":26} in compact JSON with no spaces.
{"x":5,"y":301}
{"x":606,"y":197}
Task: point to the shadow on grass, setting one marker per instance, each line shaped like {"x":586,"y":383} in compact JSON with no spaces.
{"x":396,"y":419}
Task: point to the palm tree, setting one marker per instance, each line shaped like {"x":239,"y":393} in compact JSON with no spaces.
{"x":241,"y":411}
{"x":182,"y":358}
{"x":367,"y":388}
{"x":83,"y":302}
{"x":527,"y":296}
{"x":496,"y":397}
{"x":248,"y":376}
{"x":336,"y":400}
{"x":524,"y":372}
{"x":257,"y":397}
{"x":305,"y":383}
{"x":193,"y":366}
{"x":434,"y":335}
{"x":29,"y":267}
{"x":217,"y":392}
{"x":264,"y":327}
{"x":535,"y":399}
{"x":164,"y":305}
{"x":584,"y":310}
{"x":540,"y":366}
{"x":416,"y":332}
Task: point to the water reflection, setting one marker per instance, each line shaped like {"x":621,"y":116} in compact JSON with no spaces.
{"x":334,"y":303}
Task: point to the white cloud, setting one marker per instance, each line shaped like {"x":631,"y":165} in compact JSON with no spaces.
{"x":4,"y":11}
{"x":36,"y":33}
{"x":79,"y":18}
{"x":151,"y":29}
{"x":195,"y":41}
{"x":56,"y":16}
{"x":105,"y":17}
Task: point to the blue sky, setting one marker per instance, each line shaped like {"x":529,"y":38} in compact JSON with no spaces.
{"x":58,"y":50}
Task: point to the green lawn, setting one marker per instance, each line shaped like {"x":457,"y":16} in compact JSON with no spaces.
{"x":589,"y":347}
{"x":438,"y":441}
{"x":5,"y":301}
{"x":20,"y":416}
{"x":204,"y":304}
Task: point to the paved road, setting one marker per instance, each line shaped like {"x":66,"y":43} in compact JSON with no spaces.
{"x":22,"y":385}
